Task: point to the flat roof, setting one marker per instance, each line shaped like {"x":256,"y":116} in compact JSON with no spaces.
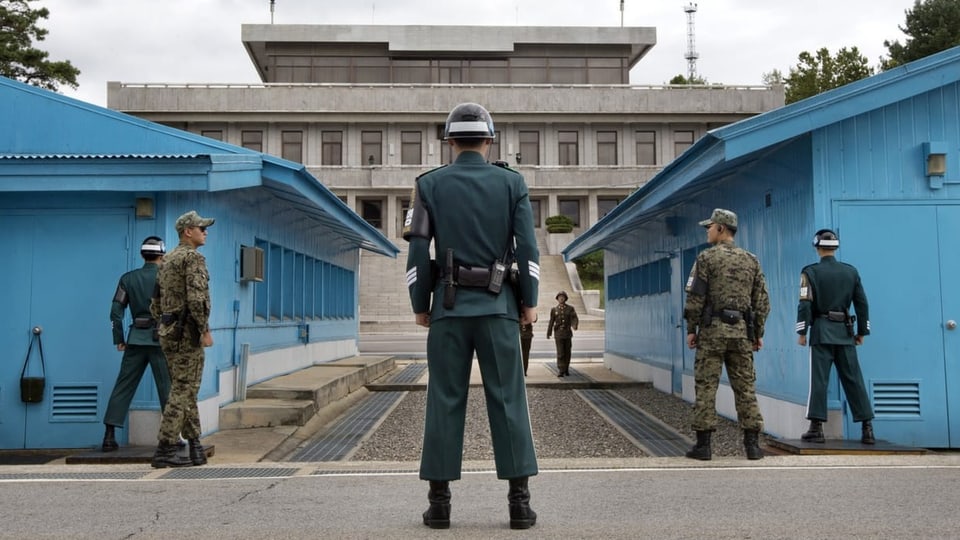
{"x":448,"y":39}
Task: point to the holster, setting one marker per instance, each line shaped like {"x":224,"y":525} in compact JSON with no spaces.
{"x":449,"y":286}
{"x":706,"y":319}
{"x":729,"y":316}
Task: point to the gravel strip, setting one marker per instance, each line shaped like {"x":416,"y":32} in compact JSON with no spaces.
{"x":564,"y":426}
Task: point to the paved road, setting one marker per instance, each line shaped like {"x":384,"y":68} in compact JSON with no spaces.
{"x":785,"y":497}
{"x":585,"y":344}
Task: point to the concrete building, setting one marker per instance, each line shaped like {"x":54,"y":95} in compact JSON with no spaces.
{"x":363,"y":107}
{"x":81,"y":186}
{"x":878,"y":161}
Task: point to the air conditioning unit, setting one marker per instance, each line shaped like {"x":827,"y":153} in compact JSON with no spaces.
{"x":251,"y":263}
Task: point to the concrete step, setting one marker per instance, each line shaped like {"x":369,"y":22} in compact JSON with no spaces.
{"x":294,"y":398}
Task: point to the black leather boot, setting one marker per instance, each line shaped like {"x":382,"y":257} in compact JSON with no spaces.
{"x":701,"y":450}
{"x":866,"y":436}
{"x":814,"y":432}
{"x":197,"y":455}
{"x":437,"y":515}
{"x":751,"y":443}
{"x":521,"y":515}
{"x":109,"y":441}
{"x":166,"y":456}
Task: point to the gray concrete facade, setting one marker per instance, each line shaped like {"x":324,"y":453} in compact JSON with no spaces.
{"x":565,"y":115}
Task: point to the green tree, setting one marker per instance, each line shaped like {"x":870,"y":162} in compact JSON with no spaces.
{"x":19,"y":59}
{"x":773,"y":78}
{"x":931,"y":26}
{"x":821,"y":72}
{"x":680,"y":79}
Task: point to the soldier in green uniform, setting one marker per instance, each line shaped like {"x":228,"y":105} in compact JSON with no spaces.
{"x":563,"y":321}
{"x":182,"y":305}
{"x":827,"y":289}
{"x":526,"y":340}
{"x":479,"y":218}
{"x":140,"y":348}
{"x":726,"y":310}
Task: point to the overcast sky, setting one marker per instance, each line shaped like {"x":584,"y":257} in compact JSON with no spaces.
{"x":198,"y":41}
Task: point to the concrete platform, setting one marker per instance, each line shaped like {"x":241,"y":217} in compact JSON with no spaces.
{"x":841,"y":446}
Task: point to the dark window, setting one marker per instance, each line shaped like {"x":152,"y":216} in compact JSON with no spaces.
{"x":606,"y":148}
{"x":681,"y":141}
{"x":605,"y":205}
{"x":646,"y":148}
{"x":252,"y":140}
{"x":529,"y":153}
{"x":571,"y":209}
{"x":494,"y":153}
{"x":411,"y":152}
{"x":371,"y":210}
{"x":569,"y":148}
{"x":371,"y":147}
{"x":331,"y":148}
{"x":216,"y":134}
{"x":292,"y":145}
{"x":535,"y":206}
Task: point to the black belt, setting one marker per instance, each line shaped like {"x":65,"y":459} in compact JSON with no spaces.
{"x":143,"y":322}
{"x":834,"y":316}
{"x":466,"y":276}
{"x":729,"y":316}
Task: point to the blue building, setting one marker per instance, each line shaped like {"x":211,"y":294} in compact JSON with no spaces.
{"x":878,"y":161}
{"x":81,"y":186}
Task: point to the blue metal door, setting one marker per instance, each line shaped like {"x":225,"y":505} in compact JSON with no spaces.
{"x":908,"y":261}
{"x":63,"y":274}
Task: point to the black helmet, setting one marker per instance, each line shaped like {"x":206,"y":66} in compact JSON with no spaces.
{"x":563,"y":294}
{"x":468,"y":121}
{"x":826,"y":239}
{"x":152,"y":246}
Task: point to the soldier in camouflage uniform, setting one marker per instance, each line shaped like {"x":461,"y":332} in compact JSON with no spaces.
{"x":726,"y":309}
{"x":563,"y":321}
{"x":140,"y":348}
{"x":827,"y":289}
{"x":182,"y":305}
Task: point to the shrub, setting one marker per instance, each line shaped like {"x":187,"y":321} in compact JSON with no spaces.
{"x":559,"y":224}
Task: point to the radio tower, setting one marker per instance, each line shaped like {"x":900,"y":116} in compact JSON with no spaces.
{"x":691,"y":54}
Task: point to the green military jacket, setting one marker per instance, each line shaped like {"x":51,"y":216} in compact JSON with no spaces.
{"x":563,"y":321}
{"x":725,"y":276}
{"x":183,"y":283}
{"x":479,"y":210}
{"x":134,"y":291}
{"x":826,"y":286}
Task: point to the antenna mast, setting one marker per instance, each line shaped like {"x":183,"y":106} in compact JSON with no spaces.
{"x":272,"y":3}
{"x":691,"y":54}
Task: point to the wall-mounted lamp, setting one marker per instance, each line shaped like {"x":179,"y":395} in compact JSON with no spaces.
{"x":144,"y":208}
{"x":935,"y":162}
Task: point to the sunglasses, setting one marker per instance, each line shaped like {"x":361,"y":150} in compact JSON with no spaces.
{"x":201,"y":229}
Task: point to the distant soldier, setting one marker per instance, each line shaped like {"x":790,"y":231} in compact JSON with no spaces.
{"x":563,"y":321}
{"x":726,"y":309}
{"x":827,"y":289}
{"x":182,"y":304}
{"x":526,"y":340}
{"x":141,"y":347}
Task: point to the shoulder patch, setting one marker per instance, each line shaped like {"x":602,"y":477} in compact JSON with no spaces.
{"x":430,"y":171}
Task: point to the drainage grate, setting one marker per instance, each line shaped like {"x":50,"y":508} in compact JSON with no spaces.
{"x":646,"y":431}
{"x":338,"y":441}
{"x":573,"y":376}
{"x":410,"y":374}
{"x":75,"y":476}
{"x":203,"y":473}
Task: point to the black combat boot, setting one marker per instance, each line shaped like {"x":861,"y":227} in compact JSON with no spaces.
{"x":109,"y":441}
{"x":166,"y":456}
{"x":866,"y":436}
{"x":751,"y":443}
{"x":521,"y":515}
{"x":197,"y":454}
{"x":438,"y":515}
{"x":701,"y":450}
{"x":814,"y":433}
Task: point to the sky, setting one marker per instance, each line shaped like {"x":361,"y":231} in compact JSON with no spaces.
{"x":198,"y":41}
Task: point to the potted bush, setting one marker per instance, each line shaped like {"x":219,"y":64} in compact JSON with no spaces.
{"x":559,"y":224}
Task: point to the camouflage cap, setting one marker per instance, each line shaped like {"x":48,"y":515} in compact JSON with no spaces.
{"x":192,"y":219}
{"x":721,"y":217}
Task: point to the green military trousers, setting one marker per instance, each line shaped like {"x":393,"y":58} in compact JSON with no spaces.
{"x":564,"y":348}
{"x":181,"y":416}
{"x":134,"y":363}
{"x":822,"y":357}
{"x":451,"y":344}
